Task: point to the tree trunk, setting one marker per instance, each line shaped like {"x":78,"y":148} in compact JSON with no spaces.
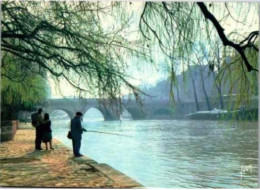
{"x":204,"y":90}
{"x":180,"y":105}
{"x":194,"y":90}
{"x":178,"y":94}
{"x":218,"y":87}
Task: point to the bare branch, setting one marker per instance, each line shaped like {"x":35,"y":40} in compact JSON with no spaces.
{"x":223,"y":37}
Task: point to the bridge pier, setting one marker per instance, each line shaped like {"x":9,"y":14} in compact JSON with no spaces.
{"x":136,"y":112}
{"x":108,"y":114}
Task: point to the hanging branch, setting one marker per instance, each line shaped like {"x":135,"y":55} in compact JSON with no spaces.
{"x":225,"y":40}
{"x":68,"y":47}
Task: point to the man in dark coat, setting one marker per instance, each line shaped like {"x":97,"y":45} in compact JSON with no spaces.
{"x":39,"y":132}
{"x":76,"y":133}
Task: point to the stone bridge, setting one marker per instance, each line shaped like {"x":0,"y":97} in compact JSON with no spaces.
{"x":151,"y":108}
{"x":110,"y":110}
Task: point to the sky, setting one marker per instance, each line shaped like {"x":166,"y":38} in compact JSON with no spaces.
{"x":149,"y":74}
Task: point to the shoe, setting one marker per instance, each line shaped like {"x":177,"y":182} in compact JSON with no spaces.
{"x":39,"y":149}
{"x":52,"y":148}
{"x":80,"y":155}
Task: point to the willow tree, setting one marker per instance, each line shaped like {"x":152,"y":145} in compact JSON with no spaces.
{"x":20,"y":88}
{"x":74,"y":41}
{"x":243,"y":83}
{"x":178,"y":27}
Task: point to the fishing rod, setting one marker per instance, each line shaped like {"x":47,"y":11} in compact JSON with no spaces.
{"x":108,"y":133}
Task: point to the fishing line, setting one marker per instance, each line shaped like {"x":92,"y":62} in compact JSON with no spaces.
{"x":109,"y":133}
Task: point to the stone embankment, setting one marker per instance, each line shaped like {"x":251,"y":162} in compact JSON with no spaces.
{"x":22,"y":166}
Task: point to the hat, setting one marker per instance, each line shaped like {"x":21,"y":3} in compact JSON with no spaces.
{"x":79,"y":114}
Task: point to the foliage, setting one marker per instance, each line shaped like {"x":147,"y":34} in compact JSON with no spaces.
{"x":242,"y":83}
{"x":179,"y":28}
{"x":23,"y":94}
{"x":74,"y":41}
{"x":87,"y":43}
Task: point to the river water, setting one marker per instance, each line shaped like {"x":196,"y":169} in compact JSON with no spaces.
{"x":174,"y":153}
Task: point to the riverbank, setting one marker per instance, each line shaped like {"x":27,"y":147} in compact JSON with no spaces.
{"x":22,"y":166}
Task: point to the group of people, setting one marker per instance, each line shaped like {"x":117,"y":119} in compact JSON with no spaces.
{"x":44,"y":132}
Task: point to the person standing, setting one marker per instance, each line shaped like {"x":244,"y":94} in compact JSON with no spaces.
{"x":37,"y":122}
{"x":47,"y":132}
{"x":76,"y":133}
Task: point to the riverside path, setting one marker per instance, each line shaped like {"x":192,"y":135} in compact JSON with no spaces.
{"x":21,"y":166}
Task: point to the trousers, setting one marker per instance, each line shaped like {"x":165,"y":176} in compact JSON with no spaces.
{"x":38,"y":139}
{"x":76,"y":143}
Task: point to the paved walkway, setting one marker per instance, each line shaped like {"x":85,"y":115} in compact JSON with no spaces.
{"x":22,"y":166}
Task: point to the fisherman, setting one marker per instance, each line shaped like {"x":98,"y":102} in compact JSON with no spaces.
{"x":76,"y":133}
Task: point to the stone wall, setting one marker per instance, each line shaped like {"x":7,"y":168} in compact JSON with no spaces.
{"x":8,"y":130}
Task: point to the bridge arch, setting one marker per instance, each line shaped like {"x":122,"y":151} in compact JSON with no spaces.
{"x":93,"y":114}
{"x":59,"y":114}
{"x":107,"y":113}
{"x":67,"y":111}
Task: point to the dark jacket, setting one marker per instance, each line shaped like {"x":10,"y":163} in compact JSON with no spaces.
{"x":76,"y":128}
{"x":46,"y":126}
{"x":39,"y":121}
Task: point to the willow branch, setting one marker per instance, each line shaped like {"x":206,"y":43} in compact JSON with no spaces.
{"x":225,"y":40}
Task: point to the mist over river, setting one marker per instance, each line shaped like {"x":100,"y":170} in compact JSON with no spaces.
{"x":174,"y":153}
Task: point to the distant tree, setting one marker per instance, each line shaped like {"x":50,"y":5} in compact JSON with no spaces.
{"x":214,"y":67}
{"x":203,"y":79}
{"x":202,"y":69}
{"x":192,"y":75}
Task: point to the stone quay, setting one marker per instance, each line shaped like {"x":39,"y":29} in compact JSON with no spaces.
{"x":22,"y":166}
